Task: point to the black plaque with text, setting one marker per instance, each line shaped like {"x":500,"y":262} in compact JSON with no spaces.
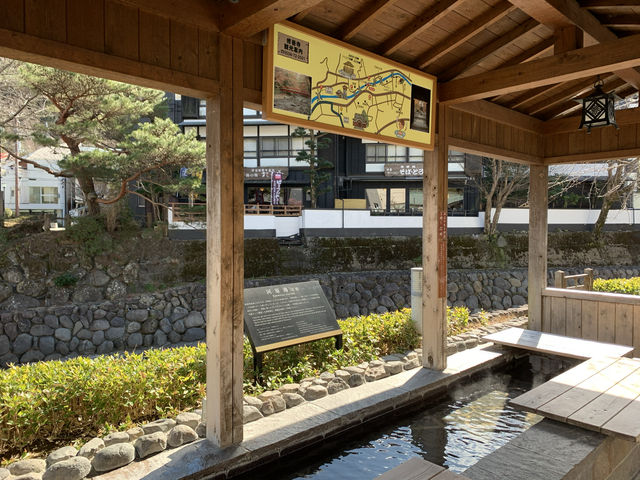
{"x":282,"y":315}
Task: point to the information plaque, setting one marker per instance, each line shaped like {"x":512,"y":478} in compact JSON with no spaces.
{"x":283,"y":315}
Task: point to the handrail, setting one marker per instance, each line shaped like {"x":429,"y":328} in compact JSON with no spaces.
{"x":197,"y":212}
{"x":277,"y":210}
{"x":561,"y":280}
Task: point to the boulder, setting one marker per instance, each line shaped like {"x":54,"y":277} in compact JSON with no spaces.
{"x":135,"y":433}
{"x":115,"y":438}
{"x":64,"y":453}
{"x":75,"y":468}
{"x":181,"y":434}
{"x":189,"y":419}
{"x":89,"y":449}
{"x":315,"y":392}
{"x":250,"y":414}
{"x":337,"y":385}
{"x":114,"y":456}
{"x":30,"y":465}
{"x":292,"y":399}
{"x":151,"y":443}
{"x":162,"y":425}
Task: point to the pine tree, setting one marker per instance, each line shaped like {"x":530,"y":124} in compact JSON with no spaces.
{"x":319,"y":169}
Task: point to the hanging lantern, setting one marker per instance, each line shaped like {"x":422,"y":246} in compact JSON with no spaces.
{"x":598,"y":109}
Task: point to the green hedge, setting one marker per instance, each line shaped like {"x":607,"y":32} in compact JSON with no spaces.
{"x":51,"y":403}
{"x":630,"y":286}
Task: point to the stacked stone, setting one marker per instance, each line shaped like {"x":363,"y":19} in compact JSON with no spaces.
{"x":314,"y":388}
{"x":51,"y":333}
{"x":113,"y":451}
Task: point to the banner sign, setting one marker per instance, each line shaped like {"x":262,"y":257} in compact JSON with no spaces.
{"x":264,"y":173}
{"x":403,"y":169}
{"x":319,"y":82}
{"x":276,"y":182}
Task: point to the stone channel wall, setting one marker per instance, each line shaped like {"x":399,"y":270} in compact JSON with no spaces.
{"x":177,"y":315}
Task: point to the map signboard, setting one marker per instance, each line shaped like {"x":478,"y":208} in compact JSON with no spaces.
{"x":319,"y":82}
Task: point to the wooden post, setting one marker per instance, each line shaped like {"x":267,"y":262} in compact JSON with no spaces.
{"x":225,"y":245}
{"x":588,"y":280}
{"x":559,"y":280}
{"x":434,"y":253}
{"x":538,"y":204}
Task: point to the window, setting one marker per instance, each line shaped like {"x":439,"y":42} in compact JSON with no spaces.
{"x":415,"y":199}
{"x":376,"y":153}
{"x":376,"y":199}
{"x":416,"y":155}
{"x":250,"y":147}
{"x":43,"y":194}
{"x":396,"y":154}
{"x":397,"y":200}
{"x":383,"y":153}
{"x":190,"y":107}
{"x":274,"y":147}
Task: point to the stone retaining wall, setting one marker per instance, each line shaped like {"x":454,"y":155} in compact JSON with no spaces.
{"x":177,"y":315}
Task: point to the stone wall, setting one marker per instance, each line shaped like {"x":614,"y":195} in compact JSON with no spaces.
{"x":177,"y":315}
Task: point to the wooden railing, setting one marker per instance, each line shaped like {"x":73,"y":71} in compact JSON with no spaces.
{"x":277,"y":210}
{"x":183,"y":212}
{"x":562,"y":280}
{"x":605,"y":317}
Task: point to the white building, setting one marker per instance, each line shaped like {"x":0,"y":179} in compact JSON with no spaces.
{"x":38,"y":190}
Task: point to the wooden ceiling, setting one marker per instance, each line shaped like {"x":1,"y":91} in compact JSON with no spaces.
{"x":456,"y":39}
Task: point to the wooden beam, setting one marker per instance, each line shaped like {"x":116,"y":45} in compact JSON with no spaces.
{"x":225,"y":243}
{"x":201,"y":13}
{"x":299,"y":17}
{"x":419,"y":24}
{"x":561,"y":93}
{"x":67,"y":57}
{"x":481,"y":149}
{"x":244,"y":19}
{"x":608,"y":4}
{"x":434,"y":251}
{"x":562,"y":13}
{"x":617,"y":21}
{"x":570,"y":124}
{"x":479,"y":55}
{"x":523,"y":98}
{"x":362,"y":18}
{"x":538,"y":208}
{"x":500,"y":114}
{"x":594,"y":156}
{"x":598,"y":59}
{"x":530,"y":53}
{"x":553,"y":109}
{"x":496,"y":13}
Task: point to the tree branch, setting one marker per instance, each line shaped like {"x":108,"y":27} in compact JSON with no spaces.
{"x":37,"y":165}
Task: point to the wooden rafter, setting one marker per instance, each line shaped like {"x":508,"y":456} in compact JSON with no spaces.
{"x":522,"y":99}
{"x":563,"y":95}
{"x":596,"y":4}
{"x":620,"y":21}
{"x":497,"y":12}
{"x":363,"y":18}
{"x":567,"y":107}
{"x":598,"y":59}
{"x":298,"y":17}
{"x":530,"y":53}
{"x":423,"y":21}
{"x":196,"y":12}
{"x":561,"y":13}
{"x":476,"y":57}
{"x":245,"y":19}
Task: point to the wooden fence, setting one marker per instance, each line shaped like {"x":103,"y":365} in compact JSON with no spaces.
{"x":562,"y":280}
{"x":277,"y":210}
{"x":605,"y":317}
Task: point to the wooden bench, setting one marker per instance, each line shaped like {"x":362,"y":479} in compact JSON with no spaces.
{"x":419,"y":469}
{"x":557,"y":344}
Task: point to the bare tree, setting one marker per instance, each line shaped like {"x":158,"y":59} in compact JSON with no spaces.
{"x":621,"y":183}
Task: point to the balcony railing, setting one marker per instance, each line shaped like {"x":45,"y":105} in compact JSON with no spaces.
{"x":183,"y":212}
{"x":277,"y":210}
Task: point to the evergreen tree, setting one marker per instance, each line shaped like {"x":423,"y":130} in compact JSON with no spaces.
{"x":319,"y":169}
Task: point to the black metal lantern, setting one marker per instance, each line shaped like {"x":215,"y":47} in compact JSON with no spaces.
{"x":598,"y":109}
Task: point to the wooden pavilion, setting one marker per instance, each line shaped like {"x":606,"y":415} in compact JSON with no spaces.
{"x":508,"y":73}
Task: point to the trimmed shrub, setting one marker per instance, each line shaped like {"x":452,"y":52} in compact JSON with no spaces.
{"x":630,"y":286}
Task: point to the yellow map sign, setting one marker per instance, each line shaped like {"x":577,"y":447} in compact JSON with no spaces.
{"x":318,"y":82}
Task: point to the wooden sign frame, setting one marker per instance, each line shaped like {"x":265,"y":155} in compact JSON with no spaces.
{"x":297,"y":45}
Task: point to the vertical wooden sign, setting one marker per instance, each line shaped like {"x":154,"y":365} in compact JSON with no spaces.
{"x":442,"y":254}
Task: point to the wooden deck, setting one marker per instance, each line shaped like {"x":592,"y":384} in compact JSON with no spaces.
{"x":557,"y":344}
{"x":419,"y":469}
{"x":601,"y":394}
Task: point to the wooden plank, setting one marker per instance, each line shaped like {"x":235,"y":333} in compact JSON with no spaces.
{"x":46,"y":19}
{"x":595,"y":60}
{"x":184,"y":48}
{"x":449,"y":475}
{"x":558,"y":316}
{"x":589,"y":320}
{"x":568,"y":124}
{"x":606,"y":322}
{"x":155,"y":35}
{"x":593,"y":296}
{"x":574,"y":318}
{"x":624,"y":325}
{"x":12,"y":15}
{"x":433,"y":305}
{"x":499,"y":152}
{"x":495,"y":14}
{"x":556,"y":344}
{"x":626,"y":423}
{"x":362,"y":18}
{"x":532,"y":400}
{"x":500,"y":114}
{"x":598,"y":412}
{"x":566,"y":404}
{"x":201,"y":13}
{"x":246,"y":19}
{"x":85,"y":24}
{"x":121,"y":30}
{"x":81,"y":60}
{"x":538,"y":193}
{"x":546,"y":315}
{"x":417,"y":24}
{"x":413,"y":469}
{"x":208,"y":54}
